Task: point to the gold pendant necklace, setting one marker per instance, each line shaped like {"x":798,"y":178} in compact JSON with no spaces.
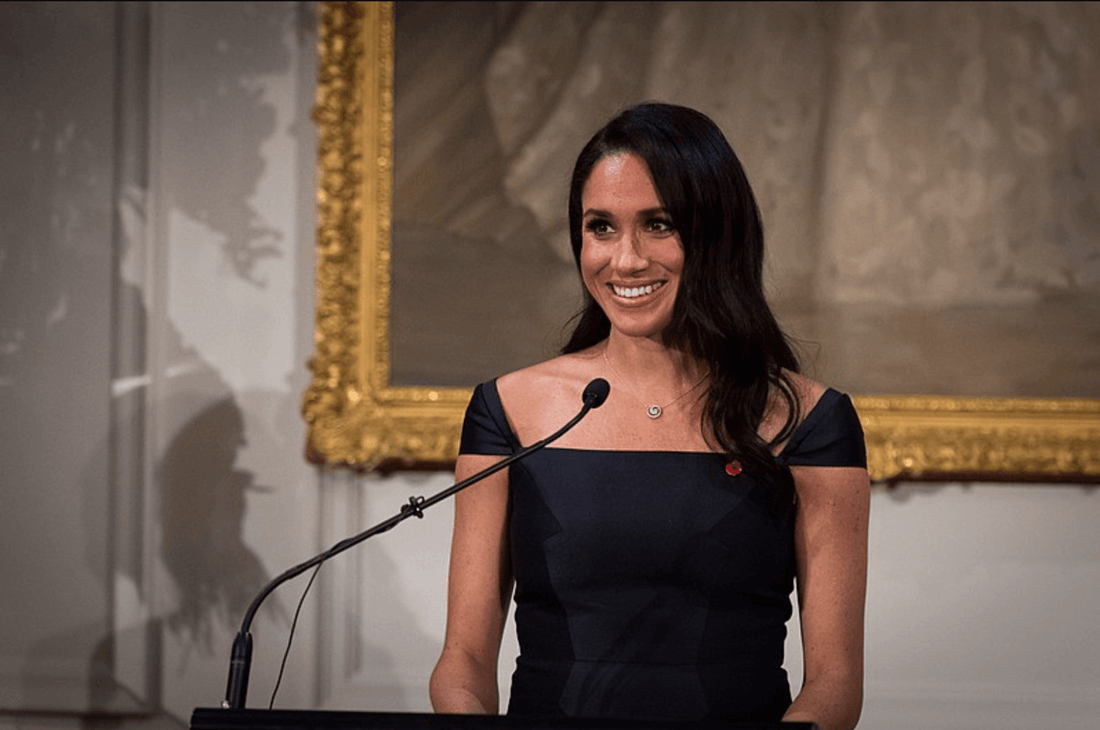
{"x":654,"y":411}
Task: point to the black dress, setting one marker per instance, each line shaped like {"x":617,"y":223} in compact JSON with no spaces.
{"x":652,"y":584}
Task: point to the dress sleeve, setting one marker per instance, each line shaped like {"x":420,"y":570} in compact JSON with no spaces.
{"x":485,"y":428}
{"x":831,"y":435}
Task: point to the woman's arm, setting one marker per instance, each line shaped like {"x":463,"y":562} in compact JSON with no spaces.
{"x":831,"y":549}
{"x":479,"y":589}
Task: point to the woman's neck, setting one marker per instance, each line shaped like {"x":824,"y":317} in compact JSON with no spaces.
{"x":652,"y":366}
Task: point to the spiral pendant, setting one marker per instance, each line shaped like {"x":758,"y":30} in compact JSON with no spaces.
{"x":654,"y":411}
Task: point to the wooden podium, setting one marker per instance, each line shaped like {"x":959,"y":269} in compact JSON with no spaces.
{"x":220,"y":719}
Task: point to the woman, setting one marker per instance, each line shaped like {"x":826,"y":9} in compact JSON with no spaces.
{"x":654,"y":547}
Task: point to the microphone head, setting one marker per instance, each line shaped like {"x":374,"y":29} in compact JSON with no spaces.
{"x":596,"y":392}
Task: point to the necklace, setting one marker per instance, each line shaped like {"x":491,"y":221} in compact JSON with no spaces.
{"x":654,"y":411}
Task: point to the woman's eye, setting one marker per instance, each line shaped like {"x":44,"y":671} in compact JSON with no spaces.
{"x":598,"y":227}
{"x":661,"y":225}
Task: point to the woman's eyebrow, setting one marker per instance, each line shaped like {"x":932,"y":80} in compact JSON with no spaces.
{"x":659,"y":210}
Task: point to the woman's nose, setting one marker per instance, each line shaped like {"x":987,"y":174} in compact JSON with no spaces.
{"x":629,"y":254}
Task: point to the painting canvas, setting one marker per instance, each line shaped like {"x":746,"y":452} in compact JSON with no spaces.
{"x":929,"y":177}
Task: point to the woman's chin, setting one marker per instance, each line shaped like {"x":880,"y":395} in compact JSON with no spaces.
{"x":649,"y":327}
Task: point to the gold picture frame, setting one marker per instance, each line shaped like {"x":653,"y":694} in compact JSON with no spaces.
{"x":357,"y":419}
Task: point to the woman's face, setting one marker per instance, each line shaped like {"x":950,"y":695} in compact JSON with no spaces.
{"x":631,"y":255}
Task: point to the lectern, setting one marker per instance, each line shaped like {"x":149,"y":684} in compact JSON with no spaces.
{"x":219,"y":719}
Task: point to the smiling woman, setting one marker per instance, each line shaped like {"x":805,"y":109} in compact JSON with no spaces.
{"x":631,"y":256}
{"x":938,"y":243}
{"x":702,"y":510}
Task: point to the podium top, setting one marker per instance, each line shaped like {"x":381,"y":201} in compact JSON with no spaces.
{"x":221,"y":719}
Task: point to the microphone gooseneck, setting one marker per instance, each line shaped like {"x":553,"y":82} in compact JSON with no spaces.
{"x":236,"y":692}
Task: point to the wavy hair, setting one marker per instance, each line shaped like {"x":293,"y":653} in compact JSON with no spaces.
{"x":721,"y":315}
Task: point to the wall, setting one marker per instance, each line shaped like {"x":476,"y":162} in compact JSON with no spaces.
{"x":156,"y":226}
{"x":156,"y":263}
{"x":57,"y":293}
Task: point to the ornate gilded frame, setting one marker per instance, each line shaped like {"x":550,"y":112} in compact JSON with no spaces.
{"x":356,"y":419}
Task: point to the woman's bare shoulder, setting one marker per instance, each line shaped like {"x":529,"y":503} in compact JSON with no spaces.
{"x":806,"y":390}
{"x":537,"y":397}
{"x":560,"y":372}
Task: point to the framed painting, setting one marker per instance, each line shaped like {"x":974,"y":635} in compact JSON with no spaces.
{"x":437,"y":153}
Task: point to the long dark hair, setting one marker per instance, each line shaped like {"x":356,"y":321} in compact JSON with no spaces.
{"x":721,"y":314}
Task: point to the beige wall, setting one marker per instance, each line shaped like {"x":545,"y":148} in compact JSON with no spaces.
{"x":156,"y":269}
{"x":156,"y":291}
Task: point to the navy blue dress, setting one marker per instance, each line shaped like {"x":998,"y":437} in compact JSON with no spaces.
{"x":651,"y":584}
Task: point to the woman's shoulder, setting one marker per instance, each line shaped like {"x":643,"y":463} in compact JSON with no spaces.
{"x":807,"y":391}
{"x":547,"y":393}
{"x":559,"y":373}
{"x":828,"y":431}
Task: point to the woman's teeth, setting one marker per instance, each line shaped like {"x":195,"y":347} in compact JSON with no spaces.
{"x":637,"y":291}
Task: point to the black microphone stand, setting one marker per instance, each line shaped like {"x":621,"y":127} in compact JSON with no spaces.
{"x":240,"y":661}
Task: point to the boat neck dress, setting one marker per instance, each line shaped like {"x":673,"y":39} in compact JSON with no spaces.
{"x":653,"y":585}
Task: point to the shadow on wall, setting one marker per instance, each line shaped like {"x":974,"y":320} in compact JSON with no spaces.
{"x":75,"y":324}
{"x":222,"y":53}
{"x":203,"y":501}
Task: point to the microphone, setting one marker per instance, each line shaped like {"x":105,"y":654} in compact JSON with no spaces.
{"x":240,"y":663}
{"x":595,"y":393}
